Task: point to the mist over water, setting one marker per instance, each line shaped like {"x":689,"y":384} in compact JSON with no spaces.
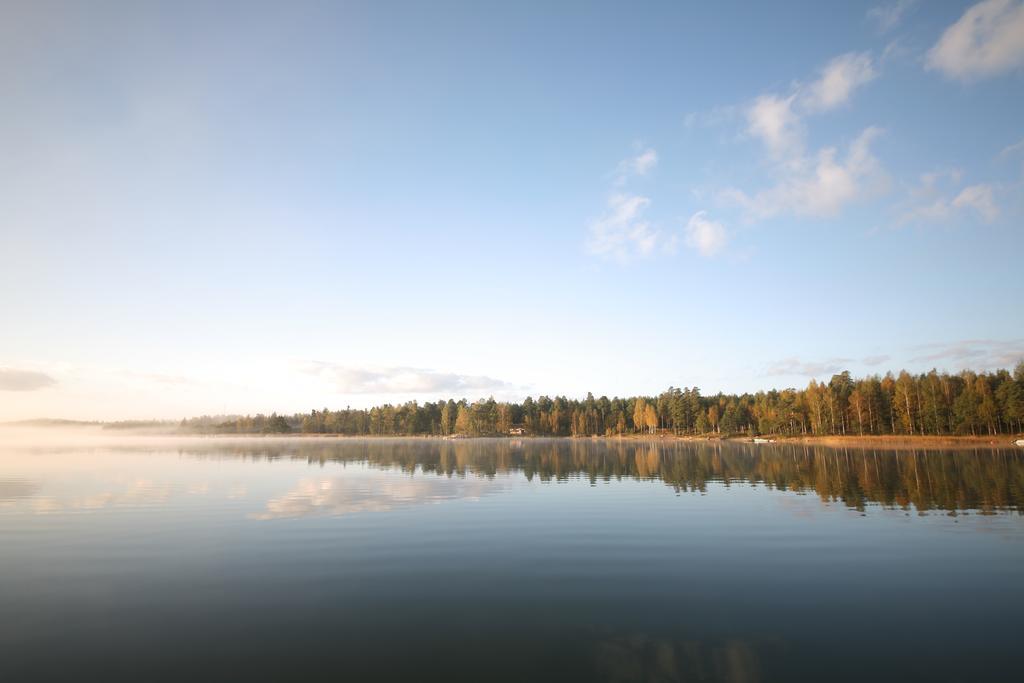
{"x":161,"y":558}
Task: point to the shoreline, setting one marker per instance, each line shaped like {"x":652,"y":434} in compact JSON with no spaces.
{"x":905,"y":441}
{"x":886,"y":441}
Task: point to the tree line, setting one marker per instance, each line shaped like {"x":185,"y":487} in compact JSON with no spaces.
{"x":932,"y":403}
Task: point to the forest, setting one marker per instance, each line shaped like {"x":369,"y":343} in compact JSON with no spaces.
{"x":933,"y":403}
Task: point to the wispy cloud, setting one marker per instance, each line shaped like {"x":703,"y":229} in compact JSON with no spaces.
{"x":707,"y":236}
{"x":976,"y":354}
{"x":24,"y":380}
{"x":400,"y":380}
{"x":777,"y":120}
{"x":715,"y":116}
{"x":159,"y":378}
{"x":772,"y":120}
{"x":937,"y":198}
{"x":637,"y":166}
{"x":979,"y":198}
{"x":888,"y":17}
{"x":816,"y":184}
{"x":819,"y":186}
{"x":837,"y":81}
{"x":622,"y":232}
{"x":794,"y":367}
{"x":987,"y":40}
{"x":1012,"y":149}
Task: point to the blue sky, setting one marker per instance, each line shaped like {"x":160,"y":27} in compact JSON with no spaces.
{"x":236,"y":207}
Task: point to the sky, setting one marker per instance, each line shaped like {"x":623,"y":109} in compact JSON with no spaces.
{"x":211,"y":208}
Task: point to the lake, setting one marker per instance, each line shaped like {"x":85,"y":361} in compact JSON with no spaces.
{"x":416,"y":559}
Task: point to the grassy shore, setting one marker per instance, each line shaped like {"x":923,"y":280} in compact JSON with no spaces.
{"x":890,"y":441}
{"x":887,"y":441}
{"x":850,"y":441}
{"x":904,"y":441}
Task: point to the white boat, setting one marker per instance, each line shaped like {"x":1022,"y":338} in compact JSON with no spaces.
{"x":758,"y":439}
{"x":1019,"y":442}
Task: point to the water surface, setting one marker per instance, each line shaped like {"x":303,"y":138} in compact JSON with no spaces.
{"x":507,"y":560}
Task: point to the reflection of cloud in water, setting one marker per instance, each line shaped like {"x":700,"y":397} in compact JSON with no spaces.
{"x":237,"y":491}
{"x":641,"y":657}
{"x":378,"y":493}
{"x":135,"y":493}
{"x":200,"y":489}
{"x":85,"y":491}
{"x":800,"y":506}
{"x":12,"y":490}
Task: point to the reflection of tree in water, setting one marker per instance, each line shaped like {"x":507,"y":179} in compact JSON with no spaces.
{"x":988,"y":480}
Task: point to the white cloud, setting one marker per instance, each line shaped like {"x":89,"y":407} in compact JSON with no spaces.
{"x":839,"y":78}
{"x":979,"y":198}
{"x":24,"y":380}
{"x":894,"y":50}
{"x":937,"y":210}
{"x":399,"y":380}
{"x":986,"y":40}
{"x":622,"y":232}
{"x":794,"y":367}
{"x":158,"y":378}
{"x":817,"y":187}
{"x":888,"y":17}
{"x":932,"y":178}
{"x":772,"y":119}
{"x":716,"y":116}
{"x":978,"y":354}
{"x":635,"y":166}
{"x":819,"y":184}
{"x":931,"y":203}
{"x":777,"y":120}
{"x":640,"y":164}
{"x":1012,"y":149}
{"x":705,"y":235}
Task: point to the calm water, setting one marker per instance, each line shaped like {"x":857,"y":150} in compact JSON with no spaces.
{"x":502,"y":560}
